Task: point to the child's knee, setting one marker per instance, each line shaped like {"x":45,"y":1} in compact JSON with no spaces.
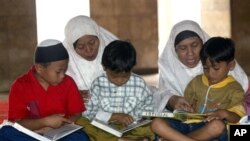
{"x":157,"y":122}
{"x":217,"y":126}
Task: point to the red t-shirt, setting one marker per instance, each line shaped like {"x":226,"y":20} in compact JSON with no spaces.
{"x":28,"y":99}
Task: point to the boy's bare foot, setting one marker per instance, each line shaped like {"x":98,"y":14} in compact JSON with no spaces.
{"x":138,"y":139}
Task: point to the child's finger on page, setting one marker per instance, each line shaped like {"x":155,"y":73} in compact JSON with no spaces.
{"x":67,"y":120}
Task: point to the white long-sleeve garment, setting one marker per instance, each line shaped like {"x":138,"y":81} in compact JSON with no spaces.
{"x":81,"y":70}
{"x":173,"y":75}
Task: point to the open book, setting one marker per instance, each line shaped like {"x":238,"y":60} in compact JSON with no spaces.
{"x":178,"y":115}
{"x":51,"y":135}
{"x":117,"y":129}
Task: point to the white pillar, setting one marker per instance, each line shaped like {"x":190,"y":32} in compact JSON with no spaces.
{"x":172,"y":11}
{"x":52,"y":16}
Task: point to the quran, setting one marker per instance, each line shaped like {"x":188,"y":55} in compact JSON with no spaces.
{"x":177,"y":114}
{"x":51,"y":135}
{"x":116,"y":128}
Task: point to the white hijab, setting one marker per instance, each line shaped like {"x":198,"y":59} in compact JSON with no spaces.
{"x":173,"y":75}
{"x":81,"y":70}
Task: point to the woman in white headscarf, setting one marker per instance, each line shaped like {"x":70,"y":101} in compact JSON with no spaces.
{"x":176,"y":71}
{"x":180,"y":62}
{"x":85,"y":42}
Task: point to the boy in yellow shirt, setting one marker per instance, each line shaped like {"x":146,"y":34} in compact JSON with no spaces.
{"x":214,"y":93}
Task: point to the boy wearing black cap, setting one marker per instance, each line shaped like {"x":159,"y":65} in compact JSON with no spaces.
{"x":45,"y":97}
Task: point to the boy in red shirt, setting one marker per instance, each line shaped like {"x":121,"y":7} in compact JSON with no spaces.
{"x":45,"y":97}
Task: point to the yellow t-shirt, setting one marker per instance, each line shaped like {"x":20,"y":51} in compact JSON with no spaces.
{"x":227,"y":94}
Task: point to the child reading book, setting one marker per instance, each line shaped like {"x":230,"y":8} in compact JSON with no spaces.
{"x":45,"y":97}
{"x":214,"y":92}
{"x":118,"y":95}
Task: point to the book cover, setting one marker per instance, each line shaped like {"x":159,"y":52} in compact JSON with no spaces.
{"x":51,"y":135}
{"x":116,"y":128}
{"x":185,"y":116}
{"x":178,"y":115}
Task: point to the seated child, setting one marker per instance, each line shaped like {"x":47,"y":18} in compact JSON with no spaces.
{"x":45,"y":97}
{"x":118,"y":95}
{"x":214,"y":92}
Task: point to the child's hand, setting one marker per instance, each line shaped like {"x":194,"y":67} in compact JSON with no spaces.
{"x":219,"y":114}
{"x":124,"y":119}
{"x":178,"y":102}
{"x":86,"y":96}
{"x":43,"y":130}
{"x":56,"y":120}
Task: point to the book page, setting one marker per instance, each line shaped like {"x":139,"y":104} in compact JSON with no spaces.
{"x":51,"y":135}
{"x":64,"y":130}
{"x":111,"y":128}
{"x":135,"y":124}
{"x":177,"y":114}
{"x":116,"y":128}
{"x":187,"y":116}
{"x":158,"y":114}
{"x":30,"y":133}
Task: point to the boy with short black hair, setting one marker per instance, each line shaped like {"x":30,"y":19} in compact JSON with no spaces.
{"x":214,"y":92}
{"x":45,"y":97}
{"x":119,"y":95}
